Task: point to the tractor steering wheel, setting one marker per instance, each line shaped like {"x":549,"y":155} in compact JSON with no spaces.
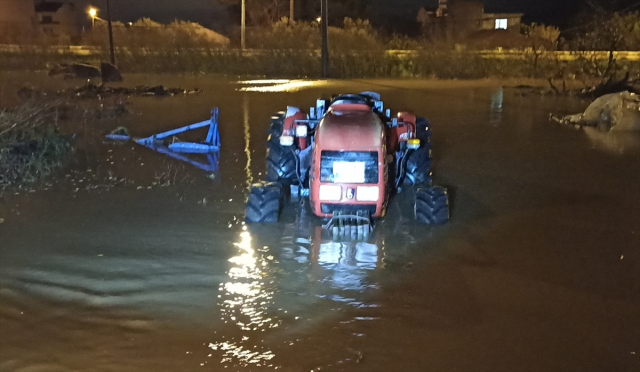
{"x":356,"y":98}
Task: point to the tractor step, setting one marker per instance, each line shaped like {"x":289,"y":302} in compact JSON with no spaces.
{"x":298,"y":191}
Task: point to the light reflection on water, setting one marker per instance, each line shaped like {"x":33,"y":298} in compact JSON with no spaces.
{"x":247,"y":138}
{"x":256,"y":297}
{"x":497,"y":101}
{"x":244,"y":301}
{"x":272,"y":86}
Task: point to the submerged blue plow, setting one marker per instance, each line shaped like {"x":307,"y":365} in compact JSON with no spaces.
{"x":212,"y":143}
{"x":156,"y":142}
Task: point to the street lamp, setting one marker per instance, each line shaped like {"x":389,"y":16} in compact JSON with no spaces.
{"x":93,"y":13}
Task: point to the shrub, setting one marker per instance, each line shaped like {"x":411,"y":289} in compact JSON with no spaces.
{"x":30,"y":145}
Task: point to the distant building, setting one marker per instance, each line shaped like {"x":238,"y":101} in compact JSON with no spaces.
{"x":58,"y":18}
{"x":17,"y":12}
{"x":457,"y":19}
{"x":17,"y":19}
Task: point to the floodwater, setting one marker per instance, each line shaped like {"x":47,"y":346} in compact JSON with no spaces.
{"x":538,"y":270}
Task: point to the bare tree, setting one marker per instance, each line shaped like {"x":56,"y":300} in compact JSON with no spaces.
{"x":603,"y":30}
{"x":541,"y":38}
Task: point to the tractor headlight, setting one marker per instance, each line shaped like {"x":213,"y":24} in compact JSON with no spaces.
{"x":330,"y":192}
{"x":367,"y":193}
{"x":286,"y":141}
{"x":301,"y":130}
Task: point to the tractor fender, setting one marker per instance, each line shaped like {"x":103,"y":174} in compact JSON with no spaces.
{"x":293,"y":114}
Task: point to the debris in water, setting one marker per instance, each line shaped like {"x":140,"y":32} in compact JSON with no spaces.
{"x":618,"y":110}
{"x":358,"y":353}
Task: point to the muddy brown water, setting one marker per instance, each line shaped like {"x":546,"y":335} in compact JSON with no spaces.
{"x":539,"y":269}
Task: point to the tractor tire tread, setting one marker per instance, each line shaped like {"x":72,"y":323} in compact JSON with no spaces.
{"x":263,"y":203}
{"x":432,"y":205}
{"x":281,"y":165}
{"x":418,"y":168}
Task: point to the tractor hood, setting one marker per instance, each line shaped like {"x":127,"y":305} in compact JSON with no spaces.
{"x":350,"y":130}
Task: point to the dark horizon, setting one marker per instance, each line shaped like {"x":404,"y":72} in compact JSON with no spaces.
{"x":211,"y":14}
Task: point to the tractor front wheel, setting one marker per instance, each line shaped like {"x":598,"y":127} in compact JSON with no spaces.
{"x":432,"y":205}
{"x":263,"y":204}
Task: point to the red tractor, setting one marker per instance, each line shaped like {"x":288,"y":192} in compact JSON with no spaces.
{"x":349,"y":156}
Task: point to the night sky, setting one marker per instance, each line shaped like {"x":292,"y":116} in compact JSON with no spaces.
{"x":211,"y":14}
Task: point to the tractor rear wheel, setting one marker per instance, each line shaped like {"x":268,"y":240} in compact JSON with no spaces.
{"x":432,"y":205}
{"x":418,"y":166}
{"x":263,"y":204}
{"x":423,"y":129}
{"x":275,"y":127}
{"x":281,"y":164}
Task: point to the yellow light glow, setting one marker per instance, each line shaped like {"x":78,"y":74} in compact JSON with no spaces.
{"x":93,"y":12}
{"x":264,"y":81}
{"x":290,"y":86}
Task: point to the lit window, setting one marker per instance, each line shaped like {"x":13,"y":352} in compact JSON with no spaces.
{"x":501,"y":24}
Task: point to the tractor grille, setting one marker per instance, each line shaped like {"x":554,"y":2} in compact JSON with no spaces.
{"x":348,"y":208}
{"x":370,"y":160}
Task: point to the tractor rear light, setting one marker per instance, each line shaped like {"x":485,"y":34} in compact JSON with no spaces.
{"x":413,"y":144}
{"x":330,"y":192}
{"x":301,"y":130}
{"x":367,"y":193}
{"x":286,"y":141}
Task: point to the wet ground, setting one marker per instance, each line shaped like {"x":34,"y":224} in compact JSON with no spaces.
{"x":539,"y":269}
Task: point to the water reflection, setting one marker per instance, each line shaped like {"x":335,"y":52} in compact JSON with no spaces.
{"x":269,"y":289}
{"x":346,"y":263}
{"x":497,"y":100}
{"x":614,"y":142}
{"x":271,"y":86}
{"x":247,"y":138}
{"x":244,"y":302}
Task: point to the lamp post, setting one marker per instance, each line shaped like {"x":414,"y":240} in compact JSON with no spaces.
{"x":325,"y":37}
{"x":113,"y":56}
{"x":243,"y":25}
{"x":291,"y":10}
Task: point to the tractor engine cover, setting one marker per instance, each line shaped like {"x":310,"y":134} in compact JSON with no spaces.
{"x":348,"y":171}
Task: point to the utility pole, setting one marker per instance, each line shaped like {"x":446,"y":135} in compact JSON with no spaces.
{"x":292,"y":11}
{"x":243,"y":25}
{"x":325,"y":37}
{"x":113,"y":56}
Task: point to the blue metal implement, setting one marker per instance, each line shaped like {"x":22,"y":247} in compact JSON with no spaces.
{"x":212,"y":143}
{"x":211,"y":146}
